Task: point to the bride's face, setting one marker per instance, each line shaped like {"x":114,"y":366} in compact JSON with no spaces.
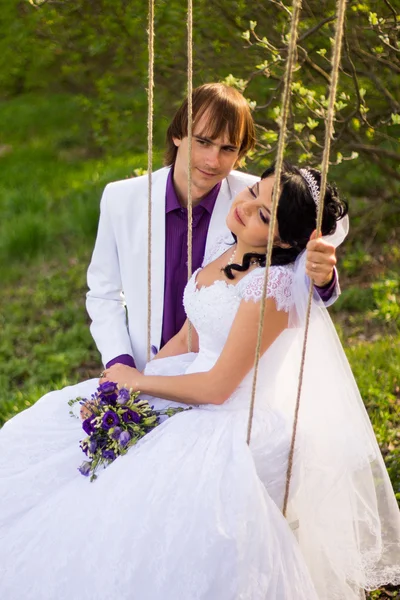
{"x":250,"y":215}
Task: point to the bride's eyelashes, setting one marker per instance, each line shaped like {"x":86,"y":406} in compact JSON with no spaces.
{"x":252,"y":192}
{"x":264,"y":219}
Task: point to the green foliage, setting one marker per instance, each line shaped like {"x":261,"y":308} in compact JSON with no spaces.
{"x":379,"y":301}
{"x":356,"y":260}
{"x":45,"y":340}
{"x":355,"y":299}
{"x":387,"y":299}
{"x":98,"y":50}
{"x":376,"y":367}
{"x":365,"y":119}
{"x":50,"y":187}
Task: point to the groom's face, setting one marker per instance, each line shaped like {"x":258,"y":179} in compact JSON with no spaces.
{"x":212,"y":159}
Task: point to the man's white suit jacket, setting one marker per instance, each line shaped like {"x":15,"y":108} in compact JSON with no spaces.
{"x":117,"y":275}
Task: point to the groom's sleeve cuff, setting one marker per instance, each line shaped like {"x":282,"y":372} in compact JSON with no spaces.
{"x":325,"y":292}
{"x":123,"y":359}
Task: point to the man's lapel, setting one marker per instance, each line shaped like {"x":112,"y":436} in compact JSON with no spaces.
{"x":158,"y":256}
{"x":217,"y":228}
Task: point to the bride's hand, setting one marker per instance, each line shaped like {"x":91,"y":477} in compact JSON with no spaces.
{"x":123,"y":376}
{"x":86,"y":410}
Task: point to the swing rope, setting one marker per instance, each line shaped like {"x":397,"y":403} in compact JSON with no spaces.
{"x":329,"y":131}
{"x":190,"y":136}
{"x":291,"y":61}
{"x":150,"y":114}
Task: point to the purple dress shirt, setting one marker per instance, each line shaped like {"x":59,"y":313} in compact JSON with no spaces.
{"x":176,"y":232}
{"x":176,"y":253}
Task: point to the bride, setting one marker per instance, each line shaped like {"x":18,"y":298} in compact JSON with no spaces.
{"x":192,"y":512}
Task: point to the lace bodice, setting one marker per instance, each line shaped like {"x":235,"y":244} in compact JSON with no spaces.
{"x":212,"y":309}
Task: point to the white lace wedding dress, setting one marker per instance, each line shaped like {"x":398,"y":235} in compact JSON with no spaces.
{"x":189,"y":513}
{"x":192,"y":512}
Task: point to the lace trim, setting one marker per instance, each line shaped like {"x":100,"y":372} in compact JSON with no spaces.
{"x":279,"y":286}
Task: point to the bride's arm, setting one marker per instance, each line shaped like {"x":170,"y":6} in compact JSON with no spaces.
{"x":179,"y":343}
{"x":236,"y":360}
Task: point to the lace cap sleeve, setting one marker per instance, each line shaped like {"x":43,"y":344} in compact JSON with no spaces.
{"x":279,"y":286}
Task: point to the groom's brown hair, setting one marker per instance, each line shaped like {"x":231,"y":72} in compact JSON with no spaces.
{"x":227,"y":110}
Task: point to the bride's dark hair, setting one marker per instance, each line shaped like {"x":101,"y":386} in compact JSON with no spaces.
{"x":296,"y":217}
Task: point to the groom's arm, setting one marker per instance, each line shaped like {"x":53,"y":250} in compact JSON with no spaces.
{"x":320,"y":267}
{"x":104,"y":301}
{"x":329,"y":292}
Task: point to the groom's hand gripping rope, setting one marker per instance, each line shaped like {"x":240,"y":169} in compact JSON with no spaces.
{"x":321,"y":261}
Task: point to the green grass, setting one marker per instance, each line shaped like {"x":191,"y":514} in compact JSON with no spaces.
{"x":45,"y":340}
{"x":50,"y":185}
{"x":376,"y":367}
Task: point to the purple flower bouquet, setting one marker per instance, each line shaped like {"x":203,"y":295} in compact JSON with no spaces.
{"x":119,"y":419}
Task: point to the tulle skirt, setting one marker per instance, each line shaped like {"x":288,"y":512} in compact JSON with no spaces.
{"x":191,"y":512}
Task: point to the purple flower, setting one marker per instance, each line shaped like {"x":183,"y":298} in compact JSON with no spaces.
{"x":103,"y":401}
{"x":116,"y":433}
{"x":130,"y":416}
{"x":123,"y":396}
{"x":108,"y":387}
{"x":88,"y":426}
{"x":110,"y":419}
{"x":84,"y":469}
{"x":92,"y":446}
{"x":102,"y":442}
{"x":108,"y":399}
{"x":108,"y":454}
{"x":124,"y":438}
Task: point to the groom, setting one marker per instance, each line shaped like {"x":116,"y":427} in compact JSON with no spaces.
{"x":223,"y":133}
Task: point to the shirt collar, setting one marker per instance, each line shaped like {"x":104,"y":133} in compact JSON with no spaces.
{"x":172,"y":201}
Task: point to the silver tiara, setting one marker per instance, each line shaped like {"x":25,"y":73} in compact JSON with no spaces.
{"x":312,"y":185}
